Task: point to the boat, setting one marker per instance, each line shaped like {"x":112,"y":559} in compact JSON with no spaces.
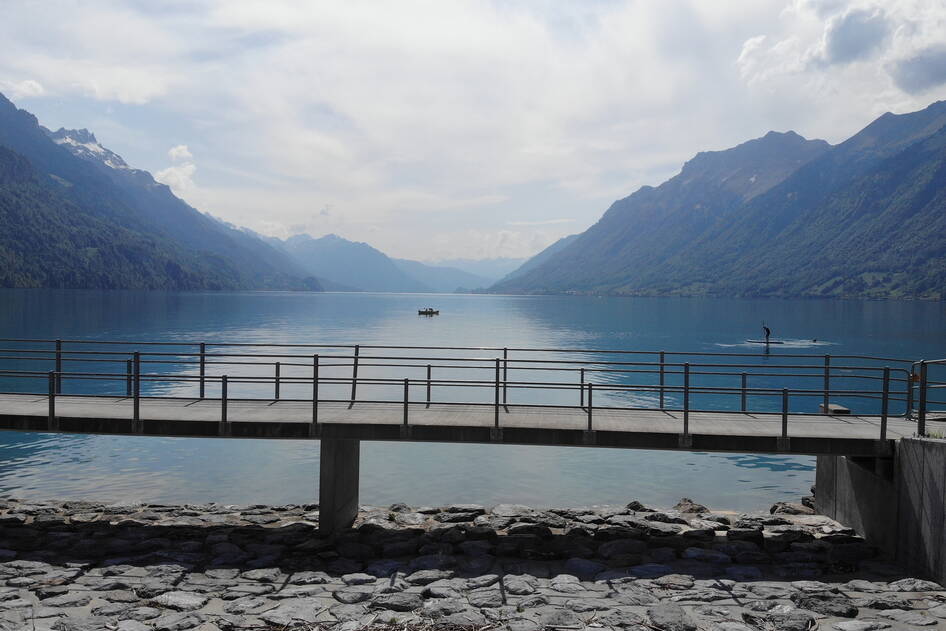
{"x":428,"y":312}
{"x":764,"y":342}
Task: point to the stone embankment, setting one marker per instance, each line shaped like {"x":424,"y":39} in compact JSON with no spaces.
{"x":82,"y":566}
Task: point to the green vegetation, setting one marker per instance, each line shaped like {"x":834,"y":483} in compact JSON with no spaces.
{"x":778,"y":216}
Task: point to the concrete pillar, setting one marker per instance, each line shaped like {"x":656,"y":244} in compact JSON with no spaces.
{"x":338,"y":484}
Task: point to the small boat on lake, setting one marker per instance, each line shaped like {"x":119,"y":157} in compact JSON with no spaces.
{"x":429,"y":311}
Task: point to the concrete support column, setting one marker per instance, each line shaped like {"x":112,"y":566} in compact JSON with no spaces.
{"x":338,"y":484}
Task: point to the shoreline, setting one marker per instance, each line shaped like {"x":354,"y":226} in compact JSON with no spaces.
{"x":85,"y":566}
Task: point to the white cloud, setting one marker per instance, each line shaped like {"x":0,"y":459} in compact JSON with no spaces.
{"x":179,"y":153}
{"x":180,"y":177}
{"x":22,"y":89}
{"x":439,"y":123}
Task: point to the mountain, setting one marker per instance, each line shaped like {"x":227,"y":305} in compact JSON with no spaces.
{"x":76,"y":215}
{"x":355,"y":265}
{"x":442,"y":279}
{"x":776,"y":216}
{"x":541,"y":257}
{"x":492,"y":269}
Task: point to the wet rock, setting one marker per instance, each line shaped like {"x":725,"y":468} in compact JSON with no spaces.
{"x":686,"y":505}
{"x":790,"y":508}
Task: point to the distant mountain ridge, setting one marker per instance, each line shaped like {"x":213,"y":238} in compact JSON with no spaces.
{"x":776,"y":216}
{"x":76,"y":215}
{"x":355,"y":266}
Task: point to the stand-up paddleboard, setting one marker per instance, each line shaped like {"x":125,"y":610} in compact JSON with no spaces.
{"x":764,"y":342}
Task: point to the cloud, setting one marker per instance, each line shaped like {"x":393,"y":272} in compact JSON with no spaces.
{"x":179,"y":153}
{"x":543,"y":222}
{"x":922,"y":71}
{"x":179,"y":177}
{"x":22,"y":89}
{"x":854,"y":35}
{"x":466,"y":126}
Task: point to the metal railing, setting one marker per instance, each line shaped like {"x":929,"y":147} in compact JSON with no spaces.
{"x":593,"y":380}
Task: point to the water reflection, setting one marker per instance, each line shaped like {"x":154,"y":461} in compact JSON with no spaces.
{"x":164,"y":469}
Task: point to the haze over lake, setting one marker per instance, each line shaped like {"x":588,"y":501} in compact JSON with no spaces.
{"x":256,"y":471}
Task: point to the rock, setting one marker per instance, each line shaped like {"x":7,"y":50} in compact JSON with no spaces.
{"x":358,"y":579}
{"x":637,"y":507}
{"x":860,"y":625}
{"x":486,"y":597}
{"x":423,"y":577}
{"x":795,"y":620}
{"x":790,"y":508}
{"x":403,"y":601}
{"x":181,"y":601}
{"x":914,"y":585}
{"x":707,"y":556}
{"x":583,"y":568}
{"x":828,"y":605}
{"x":352,"y":595}
{"x":686,"y":505}
{"x":916,"y":618}
{"x":619,"y":547}
{"x":670,"y":617}
{"x":292,"y":612}
{"x":521,"y":585}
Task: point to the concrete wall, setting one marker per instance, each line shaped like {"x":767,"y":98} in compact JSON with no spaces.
{"x":339,"y":465}
{"x":898,"y":505}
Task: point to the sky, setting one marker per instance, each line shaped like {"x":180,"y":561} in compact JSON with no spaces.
{"x":454,"y":129}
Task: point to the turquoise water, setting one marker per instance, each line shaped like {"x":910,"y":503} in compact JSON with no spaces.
{"x":232,"y":471}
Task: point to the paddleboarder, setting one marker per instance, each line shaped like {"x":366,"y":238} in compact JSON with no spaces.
{"x":767,"y":331}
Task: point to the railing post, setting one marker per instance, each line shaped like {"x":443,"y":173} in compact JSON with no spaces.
{"x":496,"y":400}
{"x":911,"y":376}
{"x":354,"y":374}
{"x":745,"y":383}
{"x":885,"y":404}
{"x":315,"y":389}
{"x":58,"y":366}
{"x":784,"y":412}
{"x":429,"y":370}
{"x":407,"y":386}
{"x":686,"y":399}
{"x":827,"y":381}
{"x":52,"y":399}
{"x":223,"y":398}
{"x":276,"y":381}
{"x":662,"y":357}
{"x":203,"y":368}
{"x":505,"y":374}
{"x":136,"y":415}
{"x":590,"y":403}
{"x":921,"y":412}
{"x":128,"y":378}
{"x":582,"y":381}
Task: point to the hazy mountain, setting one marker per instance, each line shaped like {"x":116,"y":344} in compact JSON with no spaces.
{"x":76,"y":215}
{"x":776,"y":216}
{"x":355,"y":265}
{"x":259,"y":263}
{"x":492,"y":269}
{"x":442,"y":279}
{"x":541,"y":257}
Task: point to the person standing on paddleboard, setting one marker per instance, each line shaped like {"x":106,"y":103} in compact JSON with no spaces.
{"x":767,"y":331}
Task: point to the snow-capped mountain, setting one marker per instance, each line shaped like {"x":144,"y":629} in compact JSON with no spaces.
{"x":83,"y":144}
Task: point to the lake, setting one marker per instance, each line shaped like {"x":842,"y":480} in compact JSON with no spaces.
{"x":115,"y":468}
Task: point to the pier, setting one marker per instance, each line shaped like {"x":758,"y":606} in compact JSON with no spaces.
{"x":849,"y":408}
